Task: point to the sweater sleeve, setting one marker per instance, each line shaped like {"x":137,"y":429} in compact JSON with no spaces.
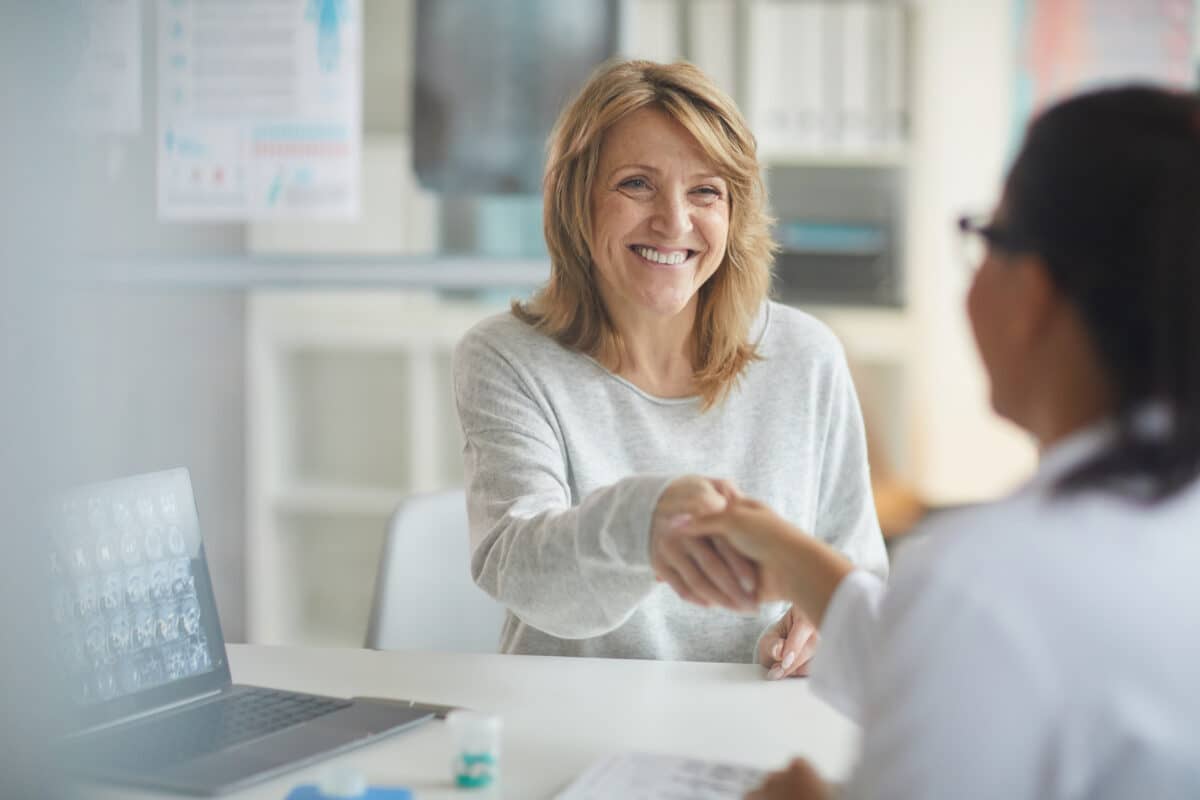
{"x":571,"y":569}
{"x":846,"y":517}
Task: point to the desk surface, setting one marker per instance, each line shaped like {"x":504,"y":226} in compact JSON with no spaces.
{"x":559,"y":714}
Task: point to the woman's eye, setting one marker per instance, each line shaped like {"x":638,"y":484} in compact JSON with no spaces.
{"x":709,"y":192}
{"x":634,"y":183}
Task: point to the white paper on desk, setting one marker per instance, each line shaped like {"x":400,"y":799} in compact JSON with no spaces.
{"x":649,"y":776}
{"x":259,"y":109}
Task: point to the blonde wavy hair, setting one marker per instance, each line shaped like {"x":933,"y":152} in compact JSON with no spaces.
{"x":569,"y":307}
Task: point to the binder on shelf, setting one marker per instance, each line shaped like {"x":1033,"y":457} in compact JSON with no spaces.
{"x":827,"y":78}
{"x":710,"y":44}
{"x":832,"y":27}
{"x":802,"y":38}
{"x":767,"y":100}
{"x":839,"y":232}
{"x":894,"y":78}
{"x":652,"y":32}
{"x":832,"y":238}
{"x":855,"y":107}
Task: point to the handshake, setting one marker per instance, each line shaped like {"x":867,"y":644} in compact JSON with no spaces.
{"x":716,"y":547}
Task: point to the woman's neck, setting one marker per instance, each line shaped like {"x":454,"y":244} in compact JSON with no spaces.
{"x":658,"y":354}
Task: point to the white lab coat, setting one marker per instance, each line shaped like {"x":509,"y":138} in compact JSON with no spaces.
{"x":1032,"y":648}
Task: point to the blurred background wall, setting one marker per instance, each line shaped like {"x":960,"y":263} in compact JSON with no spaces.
{"x":299,"y":368}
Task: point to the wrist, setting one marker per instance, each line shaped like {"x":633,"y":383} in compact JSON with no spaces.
{"x":815,"y":570}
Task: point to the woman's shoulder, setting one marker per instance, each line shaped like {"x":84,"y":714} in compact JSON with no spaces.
{"x":502,"y":335}
{"x":505,"y":344}
{"x":503,"y":325}
{"x":786,"y":330}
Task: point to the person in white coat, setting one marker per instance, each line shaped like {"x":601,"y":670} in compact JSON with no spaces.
{"x":1046,"y":645}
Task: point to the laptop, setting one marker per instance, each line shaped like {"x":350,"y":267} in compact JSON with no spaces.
{"x":141,"y":656}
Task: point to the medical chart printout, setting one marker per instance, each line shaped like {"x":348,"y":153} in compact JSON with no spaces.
{"x":259,"y":109}
{"x":653,"y":776}
{"x":108,"y":84}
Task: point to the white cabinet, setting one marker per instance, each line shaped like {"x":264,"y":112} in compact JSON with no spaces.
{"x":350,"y":408}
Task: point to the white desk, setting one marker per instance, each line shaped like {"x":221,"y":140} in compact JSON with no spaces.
{"x":560,"y":715}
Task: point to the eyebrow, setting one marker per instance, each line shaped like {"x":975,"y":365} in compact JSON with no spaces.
{"x":655,"y":170}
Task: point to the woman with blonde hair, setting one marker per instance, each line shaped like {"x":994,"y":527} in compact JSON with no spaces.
{"x":653,"y":354}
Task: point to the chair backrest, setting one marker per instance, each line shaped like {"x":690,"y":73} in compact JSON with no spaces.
{"x":425,"y":598}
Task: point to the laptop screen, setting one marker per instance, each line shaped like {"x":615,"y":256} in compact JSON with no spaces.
{"x":136,"y":622}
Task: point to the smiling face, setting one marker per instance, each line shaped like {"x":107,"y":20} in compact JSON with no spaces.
{"x":660,"y":218}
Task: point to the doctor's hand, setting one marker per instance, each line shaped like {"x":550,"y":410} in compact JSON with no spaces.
{"x":751,"y":530}
{"x":792,"y":565}
{"x":798,"y":782}
{"x":788,"y":646}
{"x":702,"y":570}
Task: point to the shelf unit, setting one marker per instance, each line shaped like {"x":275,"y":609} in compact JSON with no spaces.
{"x":350,"y":409}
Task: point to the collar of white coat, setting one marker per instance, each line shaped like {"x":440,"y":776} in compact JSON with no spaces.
{"x":1152,"y":420}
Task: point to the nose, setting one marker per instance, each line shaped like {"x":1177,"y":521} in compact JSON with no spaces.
{"x":672,"y":215}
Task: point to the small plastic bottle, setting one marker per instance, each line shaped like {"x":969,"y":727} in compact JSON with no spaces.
{"x":477,"y":739}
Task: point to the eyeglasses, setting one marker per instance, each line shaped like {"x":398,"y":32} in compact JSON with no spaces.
{"x":977,"y":236}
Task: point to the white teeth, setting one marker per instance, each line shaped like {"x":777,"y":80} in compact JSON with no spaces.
{"x":650,"y":254}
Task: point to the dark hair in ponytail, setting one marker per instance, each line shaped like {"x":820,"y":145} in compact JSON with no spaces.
{"x":1107,"y":190}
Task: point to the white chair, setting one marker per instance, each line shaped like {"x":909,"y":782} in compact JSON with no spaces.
{"x":425,"y":598}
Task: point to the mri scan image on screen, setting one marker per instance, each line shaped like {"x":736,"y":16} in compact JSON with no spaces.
{"x":491,"y":78}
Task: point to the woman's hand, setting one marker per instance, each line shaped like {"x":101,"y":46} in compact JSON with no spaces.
{"x":701,"y":569}
{"x":798,"y":781}
{"x":751,"y":530}
{"x":792,"y":565}
{"x":788,"y":646}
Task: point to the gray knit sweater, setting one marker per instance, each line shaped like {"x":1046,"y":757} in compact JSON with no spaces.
{"x":565,"y":463}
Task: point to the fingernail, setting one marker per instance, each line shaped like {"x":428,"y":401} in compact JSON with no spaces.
{"x":678,"y":521}
{"x":789,"y":659}
{"x":777,"y":651}
{"x":775,"y":674}
{"x":747,"y":584}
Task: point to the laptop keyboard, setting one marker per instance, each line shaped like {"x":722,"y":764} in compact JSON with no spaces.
{"x":209,"y":727}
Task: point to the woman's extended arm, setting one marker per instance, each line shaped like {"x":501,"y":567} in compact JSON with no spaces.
{"x":571,"y":567}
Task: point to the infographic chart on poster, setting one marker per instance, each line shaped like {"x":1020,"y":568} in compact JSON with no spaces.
{"x":259,"y":109}
{"x":108,"y":84}
{"x":1070,"y":47}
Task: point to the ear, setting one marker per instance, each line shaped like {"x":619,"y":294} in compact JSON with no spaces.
{"x":1037,"y":298}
